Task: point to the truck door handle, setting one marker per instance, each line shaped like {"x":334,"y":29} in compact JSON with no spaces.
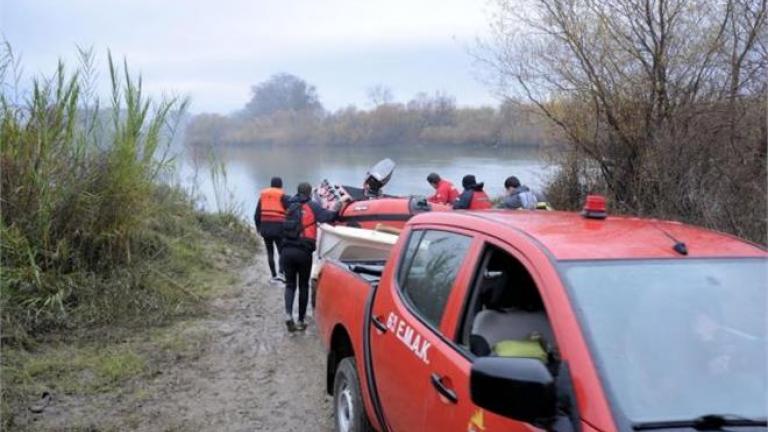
{"x":378,"y":324}
{"x":437,"y":383}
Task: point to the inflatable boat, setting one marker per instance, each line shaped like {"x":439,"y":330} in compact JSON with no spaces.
{"x":369,"y":207}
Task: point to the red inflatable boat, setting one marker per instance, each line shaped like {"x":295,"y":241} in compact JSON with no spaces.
{"x":391,"y":212}
{"x":370,"y":208}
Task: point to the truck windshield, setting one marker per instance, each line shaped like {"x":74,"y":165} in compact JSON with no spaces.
{"x":676,"y":339}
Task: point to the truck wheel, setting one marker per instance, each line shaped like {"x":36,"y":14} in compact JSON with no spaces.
{"x":348,"y":407}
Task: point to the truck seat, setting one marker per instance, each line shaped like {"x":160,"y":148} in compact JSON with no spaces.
{"x":492,"y":290}
{"x":493,"y":326}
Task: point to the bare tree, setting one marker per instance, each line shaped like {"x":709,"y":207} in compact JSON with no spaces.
{"x":436,"y":110}
{"x":379,"y":95}
{"x":633,"y":85}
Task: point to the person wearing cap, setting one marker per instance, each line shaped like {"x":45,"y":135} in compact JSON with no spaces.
{"x":299,"y":242}
{"x":519,"y":196}
{"x":445,"y":193}
{"x":473,"y":197}
{"x":269,"y":218}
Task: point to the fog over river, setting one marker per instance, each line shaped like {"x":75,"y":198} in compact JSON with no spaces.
{"x":249,"y":170}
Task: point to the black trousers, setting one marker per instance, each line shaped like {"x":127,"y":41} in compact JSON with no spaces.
{"x":298,"y":266}
{"x":272,"y":243}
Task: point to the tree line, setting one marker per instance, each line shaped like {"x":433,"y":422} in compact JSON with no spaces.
{"x":285,"y":110}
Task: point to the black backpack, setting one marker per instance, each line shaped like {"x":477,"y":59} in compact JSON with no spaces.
{"x":293,"y":227}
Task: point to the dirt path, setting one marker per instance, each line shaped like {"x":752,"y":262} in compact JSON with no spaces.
{"x":254,"y":375}
{"x":245,"y":374}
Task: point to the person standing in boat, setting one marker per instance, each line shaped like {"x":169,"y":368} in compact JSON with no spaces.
{"x":473,"y":197}
{"x":299,"y":235}
{"x":445,"y":193}
{"x":269,"y":218}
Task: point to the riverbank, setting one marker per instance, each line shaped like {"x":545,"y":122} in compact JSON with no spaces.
{"x":110,"y":272}
{"x":231,"y":366}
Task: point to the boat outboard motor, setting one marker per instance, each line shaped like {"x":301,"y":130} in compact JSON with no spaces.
{"x":377,"y":177}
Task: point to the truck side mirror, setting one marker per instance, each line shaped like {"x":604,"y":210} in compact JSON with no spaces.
{"x":519,"y":388}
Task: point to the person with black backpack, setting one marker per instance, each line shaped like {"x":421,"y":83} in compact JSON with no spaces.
{"x":299,"y":235}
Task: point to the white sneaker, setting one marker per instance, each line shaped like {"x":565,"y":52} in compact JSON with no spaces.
{"x":280,"y":277}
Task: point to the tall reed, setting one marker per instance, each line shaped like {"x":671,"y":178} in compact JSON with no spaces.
{"x":88,"y":231}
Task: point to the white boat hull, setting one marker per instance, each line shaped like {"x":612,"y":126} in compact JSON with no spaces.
{"x":350,"y":244}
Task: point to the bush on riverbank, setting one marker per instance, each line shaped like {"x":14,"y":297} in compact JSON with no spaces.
{"x":90,"y":234}
{"x":703,"y":176}
{"x":662,"y":105}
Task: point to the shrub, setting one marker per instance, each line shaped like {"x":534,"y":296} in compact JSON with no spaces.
{"x":89,"y":234}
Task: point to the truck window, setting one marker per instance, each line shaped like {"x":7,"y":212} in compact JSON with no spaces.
{"x":504,"y":314}
{"x":431,"y":262}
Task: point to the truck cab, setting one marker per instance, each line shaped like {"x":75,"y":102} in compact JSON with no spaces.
{"x":525,"y":320}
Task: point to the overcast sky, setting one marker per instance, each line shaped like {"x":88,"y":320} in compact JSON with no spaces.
{"x":214,"y":51}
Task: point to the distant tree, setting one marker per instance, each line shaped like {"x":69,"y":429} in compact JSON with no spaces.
{"x":437,"y":110}
{"x":443,"y":109}
{"x":206,"y":130}
{"x":283,"y":92}
{"x":379,"y":95}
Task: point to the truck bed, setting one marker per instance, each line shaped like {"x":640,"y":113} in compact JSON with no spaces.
{"x":351,"y":245}
{"x":369,"y":270}
{"x":343,"y":291}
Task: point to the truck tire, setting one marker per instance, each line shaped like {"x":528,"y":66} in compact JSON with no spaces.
{"x":348,"y":408}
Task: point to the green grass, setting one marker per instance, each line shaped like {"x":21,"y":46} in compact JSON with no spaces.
{"x":104,"y":358}
{"x":91,"y":365}
{"x":91,"y":235}
{"x":80,"y":370}
{"x":96,"y":248}
{"x":65,"y":370}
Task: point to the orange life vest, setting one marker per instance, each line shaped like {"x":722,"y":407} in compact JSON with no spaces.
{"x":272,"y":209}
{"x":479,"y":201}
{"x":309,"y":223}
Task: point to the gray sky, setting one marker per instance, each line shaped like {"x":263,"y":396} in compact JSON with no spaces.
{"x":214,"y":51}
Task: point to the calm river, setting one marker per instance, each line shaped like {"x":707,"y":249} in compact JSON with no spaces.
{"x":249,"y":170}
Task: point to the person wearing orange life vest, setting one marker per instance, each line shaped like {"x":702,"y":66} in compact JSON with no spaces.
{"x":269,"y":218}
{"x":445,"y":193}
{"x":473,"y":197}
{"x":299,"y":236}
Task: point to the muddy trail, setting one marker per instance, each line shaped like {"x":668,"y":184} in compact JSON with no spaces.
{"x":245,"y":372}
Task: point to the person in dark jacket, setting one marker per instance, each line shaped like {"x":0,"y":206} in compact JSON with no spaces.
{"x":298,"y":245}
{"x":269,"y":218}
{"x":473,"y":197}
{"x":519,"y":196}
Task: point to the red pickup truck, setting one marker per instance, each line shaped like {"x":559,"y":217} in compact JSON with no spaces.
{"x":524,"y":320}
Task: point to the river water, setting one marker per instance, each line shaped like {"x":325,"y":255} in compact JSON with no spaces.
{"x":249,"y":170}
